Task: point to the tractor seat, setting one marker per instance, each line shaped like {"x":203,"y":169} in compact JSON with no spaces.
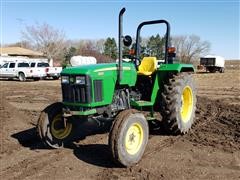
{"x":147,"y":66}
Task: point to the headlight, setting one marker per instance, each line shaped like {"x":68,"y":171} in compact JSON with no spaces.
{"x":80,"y":80}
{"x":65,"y":79}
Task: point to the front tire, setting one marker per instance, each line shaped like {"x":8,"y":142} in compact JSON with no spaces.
{"x":128,"y":137}
{"x":51,"y":126}
{"x":222,"y":70}
{"x":21,"y":77}
{"x":179,"y":103}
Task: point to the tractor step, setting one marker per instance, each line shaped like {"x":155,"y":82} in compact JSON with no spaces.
{"x":141,"y":103}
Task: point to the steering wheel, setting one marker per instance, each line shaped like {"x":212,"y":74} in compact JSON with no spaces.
{"x":133,"y":58}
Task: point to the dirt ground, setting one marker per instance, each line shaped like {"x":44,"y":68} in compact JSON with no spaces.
{"x":211,"y":150}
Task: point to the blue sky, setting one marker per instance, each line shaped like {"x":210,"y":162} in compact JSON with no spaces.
{"x":215,"y":21}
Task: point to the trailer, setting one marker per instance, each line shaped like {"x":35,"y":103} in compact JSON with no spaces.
{"x":213,"y":63}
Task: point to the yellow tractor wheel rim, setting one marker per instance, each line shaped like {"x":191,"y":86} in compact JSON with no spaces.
{"x":134,"y":138}
{"x":57,"y":129}
{"x":187,"y":104}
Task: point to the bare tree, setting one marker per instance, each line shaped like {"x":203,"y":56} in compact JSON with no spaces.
{"x":88,"y":48}
{"x":22,"y":44}
{"x":99,"y":44}
{"x":45,"y":38}
{"x":189,"y":48}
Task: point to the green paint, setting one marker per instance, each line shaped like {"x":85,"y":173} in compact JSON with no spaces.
{"x":155,"y":88}
{"x":76,"y":104}
{"x":176,"y":67}
{"x":83,"y":113}
{"x":141,"y":103}
{"x":159,"y":82}
{"x":150,"y":118}
{"x":100,"y":71}
{"x":108,"y":74}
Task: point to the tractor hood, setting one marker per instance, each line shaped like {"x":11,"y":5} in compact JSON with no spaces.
{"x":105,"y":69}
{"x":89,"y":69}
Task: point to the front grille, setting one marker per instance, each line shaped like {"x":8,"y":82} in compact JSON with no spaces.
{"x":98,"y":97}
{"x":77,"y":93}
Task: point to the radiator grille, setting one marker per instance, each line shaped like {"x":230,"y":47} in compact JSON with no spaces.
{"x":77,"y":93}
{"x":98,"y":90}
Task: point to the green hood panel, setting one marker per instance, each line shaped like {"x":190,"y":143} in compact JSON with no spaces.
{"x":87,"y":69}
{"x":104,"y":79}
{"x":96,"y":71}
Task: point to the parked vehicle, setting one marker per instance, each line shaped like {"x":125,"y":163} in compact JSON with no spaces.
{"x":20,"y":70}
{"x":6,"y":59}
{"x":45,"y":69}
{"x":54,"y":72}
{"x":40,"y":68}
{"x":212,"y":63}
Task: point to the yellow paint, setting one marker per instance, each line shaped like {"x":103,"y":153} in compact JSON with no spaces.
{"x":58,"y":132}
{"x":134,"y":138}
{"x":147,"y":66}
{"x":187,"y":104}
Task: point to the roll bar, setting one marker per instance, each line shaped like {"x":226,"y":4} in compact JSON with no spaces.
{"x":120,"y":40}
{"x":167,"y":41}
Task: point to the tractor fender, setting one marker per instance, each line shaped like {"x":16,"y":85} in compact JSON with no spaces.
{"x":187,"y":69}
{"x":176,"y":68}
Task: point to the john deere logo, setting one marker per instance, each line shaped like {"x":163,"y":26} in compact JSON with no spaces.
{"x":71,"y":80}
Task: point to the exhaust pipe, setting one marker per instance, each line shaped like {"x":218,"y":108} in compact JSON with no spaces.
{"x":120,"y":44}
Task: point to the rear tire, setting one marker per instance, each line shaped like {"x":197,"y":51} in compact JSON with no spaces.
{"x":51,"y":129}
{"x":128,"y":137}
{"x":212,"y":70}
{"x":222,"y":70}
{"x":21,"y":77}
{"x":178,"y":103}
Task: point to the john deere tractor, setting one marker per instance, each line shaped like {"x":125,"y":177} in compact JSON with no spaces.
{"x":123,"y":98}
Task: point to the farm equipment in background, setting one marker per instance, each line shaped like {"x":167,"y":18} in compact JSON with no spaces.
{"x":116,"y":97}
{"x":212,"y":63}
{"x":82,"y":60}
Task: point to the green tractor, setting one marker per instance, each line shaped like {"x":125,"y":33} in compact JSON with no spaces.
{"x":123,"y":98}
